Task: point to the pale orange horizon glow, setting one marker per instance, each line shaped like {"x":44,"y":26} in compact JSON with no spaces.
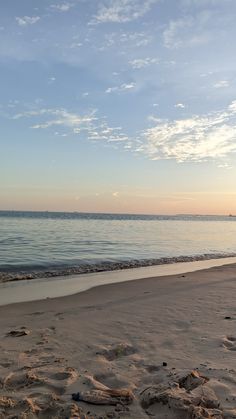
{"x":120,"y":202}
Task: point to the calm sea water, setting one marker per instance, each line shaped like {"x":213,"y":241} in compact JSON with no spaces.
{"x":47,"y":244}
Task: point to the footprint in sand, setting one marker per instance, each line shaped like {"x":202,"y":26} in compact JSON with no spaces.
{"x":32,"y":351}
{"x":110,"y":379}
{"x":61,"y":376}
{"x":39,"y":405}
{"x":59,"y":316}
{"x":36,"y":313}
{"x":6,"y":363}
{"x":117,"y":351}
{"x":54,"y":379}
{"x":152,"y":368}
{"x":16,"y":333}
{"x":229,"y":342}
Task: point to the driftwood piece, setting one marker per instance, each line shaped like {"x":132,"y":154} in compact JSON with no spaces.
{"x":107,"y":396}
{"x":187,"y":394}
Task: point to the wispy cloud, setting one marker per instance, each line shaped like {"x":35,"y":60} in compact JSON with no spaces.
{"x":139,"y":63}
{"x":51,"y":80}
{"x":170,"y":34}
{"x":76,"y":45}
{"x":122,"y":88}
{"x":59,"y":117}
{"x":115,"y":194}
{"x":221,"y":83}
{"x":122,"y":11}
{"x":67,"y":123}
{"x":185,"y":32}
{"x":64,"y":7}
{"x":27,"y":20}
{"x":137,"y":39}
{"x":195,"y":139}
{"x":199,"y":138}
{"x":180,"y":105}
{"x":129,"y":39}
{"x":102,"y":131}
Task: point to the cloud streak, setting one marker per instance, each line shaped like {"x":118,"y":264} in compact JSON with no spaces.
{"x":59,"y":118}
{"x":122,"y":88}
{"x":64,"y":7}
{"x":186,"y":32}
{"x":221,"y":84}
{"x":70,"y":123}
{"x":180,"y":105}
{"x":122,"y":11}
{"x":199,"y":138}
{"x":194,"y":139}
{"x":139,"y":63}
{"x":27,"y":20}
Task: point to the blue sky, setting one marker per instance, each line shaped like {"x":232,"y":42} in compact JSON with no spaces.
{"x":118,"y":105}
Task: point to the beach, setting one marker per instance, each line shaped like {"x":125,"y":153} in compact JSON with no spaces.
{"x":118,"y":209}
{"x":156,"y":347}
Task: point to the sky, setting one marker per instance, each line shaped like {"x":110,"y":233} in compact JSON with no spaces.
{"x":124,"y":106}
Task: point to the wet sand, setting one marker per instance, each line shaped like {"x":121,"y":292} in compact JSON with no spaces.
{"x":38,"y":289}
{"x":167,"y":345}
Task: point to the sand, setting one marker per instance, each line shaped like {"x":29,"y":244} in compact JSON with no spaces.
{"x":151,"y":348}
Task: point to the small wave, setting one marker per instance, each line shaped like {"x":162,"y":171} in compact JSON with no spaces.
{"x":32,"y":273}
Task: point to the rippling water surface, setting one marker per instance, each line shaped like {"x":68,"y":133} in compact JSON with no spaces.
{"x":36,"y":244}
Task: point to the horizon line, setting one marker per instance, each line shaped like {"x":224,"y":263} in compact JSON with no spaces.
{"x":119,"y":213}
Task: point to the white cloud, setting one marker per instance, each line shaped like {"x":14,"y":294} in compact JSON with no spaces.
{"x":221,"y":83}
{"x":185,"y":32}
{"x":142,"y":62}
{"x":200,"y":3}
{"x":65,"y":7}
{"x":170,"y":33}
{"x":125,"y":40}
{"x":106,"y":133}
{"x":27,"y":20}
{"x":76,"y":45}
{"x":180,"y":105}
{"x":121,"y":11}
{"x":67,"y":123}
{"x":199,"y":138}
{"x":59,"y":117}
{"x":122,"y":88}
{"x":52,"y":79}
{"x":138,"y":39}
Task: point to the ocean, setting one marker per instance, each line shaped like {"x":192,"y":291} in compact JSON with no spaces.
{"x":47,"y":244}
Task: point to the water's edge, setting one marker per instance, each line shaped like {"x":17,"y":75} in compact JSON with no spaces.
{"x":27,"y":273}
{"x":40,"y":289}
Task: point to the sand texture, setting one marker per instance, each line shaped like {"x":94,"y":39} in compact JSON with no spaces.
{"x":160,"y":348}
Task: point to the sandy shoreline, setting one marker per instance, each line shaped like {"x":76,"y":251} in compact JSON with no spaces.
{"x":38,"y":289}
{"x":119,"y":336}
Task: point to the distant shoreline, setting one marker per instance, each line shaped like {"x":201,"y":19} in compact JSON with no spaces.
{"x":8,"y":212}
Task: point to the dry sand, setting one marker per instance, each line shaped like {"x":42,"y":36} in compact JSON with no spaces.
{"x":168,"y":345}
